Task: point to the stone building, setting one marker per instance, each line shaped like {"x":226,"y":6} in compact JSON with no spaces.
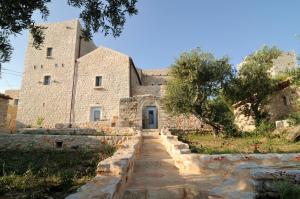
{"x":4,"y":103}
{"x":70,"y":81}
{"x":282,"y":102}
{"x":12,"y":109}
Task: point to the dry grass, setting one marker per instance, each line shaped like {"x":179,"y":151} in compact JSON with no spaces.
{"x":250,"y":144}
{"x":39,"y":174}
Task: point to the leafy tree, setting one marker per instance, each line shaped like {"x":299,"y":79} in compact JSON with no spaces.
{"x":195,"y":84}
{"x":108,"y":16}
{"x":254,"y":84}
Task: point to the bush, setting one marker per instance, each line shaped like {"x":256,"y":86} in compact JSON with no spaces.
{"x":287,"y":189}
{"x":294,"y":118}
{"x":264,"y":128}
{"x":109,"y":150}
{"x":39,"y":121}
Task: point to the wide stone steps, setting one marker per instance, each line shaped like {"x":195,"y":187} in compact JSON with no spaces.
{"x":172,"y":192}
{"x":155,"y":175}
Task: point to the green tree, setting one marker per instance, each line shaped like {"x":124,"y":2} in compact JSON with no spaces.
{"x":253,"y":84}
{"x":195,"y":84}
{"x":107,"y":16}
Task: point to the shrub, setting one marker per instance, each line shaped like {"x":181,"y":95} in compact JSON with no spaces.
{"x":40,"y":121}
{"x":287,"y":189}
{"x":294,"y":118}
{"x":109,"y":149}
{"x":264,"y":128}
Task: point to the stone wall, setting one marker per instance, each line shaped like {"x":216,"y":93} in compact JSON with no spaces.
{"x":114,"y":69}
{"x":29,"y":141}
{"x":285,"y":62}
{"x":281,"y":104}
{"x":133,"y":114}
{"x":155,"y":90}
{"x":113,"y":174}
{"x":135,"y":79}
{"x":93,"y":130}
{"x":233,"y":174}
{"x":4,"y":103}
{"x":12,"y":109}
{"x":51,"y":102}
{"x":155,"y":77}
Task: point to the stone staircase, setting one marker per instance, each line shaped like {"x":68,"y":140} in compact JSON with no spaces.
{"x":156,"y":177}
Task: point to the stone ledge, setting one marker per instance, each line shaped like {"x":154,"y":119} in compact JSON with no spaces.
{"x":113,"y":174}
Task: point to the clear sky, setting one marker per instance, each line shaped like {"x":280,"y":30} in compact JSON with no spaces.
{"x":165,"y":28}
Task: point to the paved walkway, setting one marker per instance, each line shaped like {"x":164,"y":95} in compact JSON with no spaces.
{"x":156,"y":177}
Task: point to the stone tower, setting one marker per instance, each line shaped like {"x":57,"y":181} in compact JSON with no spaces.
{"x":47,"y":86}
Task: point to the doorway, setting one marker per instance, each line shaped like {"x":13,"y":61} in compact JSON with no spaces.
{"x":151,"y":115}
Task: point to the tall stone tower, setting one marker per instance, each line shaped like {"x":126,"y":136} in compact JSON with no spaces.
{"x":48,"y":81}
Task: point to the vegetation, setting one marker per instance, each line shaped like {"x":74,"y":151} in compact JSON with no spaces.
{"x":209,"y":87}
{"x":46,"y":173}
{"x":198,"y":77}
{"x":247,"y":143}
{"x":40,"y":121}
{"x":253,"y":85}
{"x":287,"y":189}
{"x":107,"y":16}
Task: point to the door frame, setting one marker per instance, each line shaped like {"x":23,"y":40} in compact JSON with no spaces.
{"x":155,"y":115}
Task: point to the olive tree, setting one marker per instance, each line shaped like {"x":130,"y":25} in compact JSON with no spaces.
{"x":197,"y":79}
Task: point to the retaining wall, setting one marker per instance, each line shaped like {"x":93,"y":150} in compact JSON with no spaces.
{"x":113,"y":174}
{"x":28,"y":141}
{"x":234,"y":170}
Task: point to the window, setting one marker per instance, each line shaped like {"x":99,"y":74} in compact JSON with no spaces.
{"x":96,"y":113}
{"x":98,"y":81}
{"x":49,"y":52}
{"x":286,"y":101}
{"x":59,"y":144}
{"x":47,"y":80}
{"x":16,"y":102}
{"x":56,"y":65}
{"x":34,"y":67}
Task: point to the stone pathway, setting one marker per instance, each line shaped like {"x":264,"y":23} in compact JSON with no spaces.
{"x":156,"y":177}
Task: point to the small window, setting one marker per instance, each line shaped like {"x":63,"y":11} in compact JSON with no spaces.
{"x":62,"y":65}
{"x":34,"y":67}
{"x":98,"y":81}
{"x":49,"y":52}
{"x":59,"y":144}
{"x":96,"y":114}
{"x":42,"y":66}
{"x":56,"y":65}
{"x":47,"y":80}
{"x":286,"y":101}
{"x":16,"y":102}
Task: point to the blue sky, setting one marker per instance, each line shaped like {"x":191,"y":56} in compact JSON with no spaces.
{"x":165,"y":28}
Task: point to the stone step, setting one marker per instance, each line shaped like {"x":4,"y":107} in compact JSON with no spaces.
{"x":155,"y":163}
{"x":174,"y":192}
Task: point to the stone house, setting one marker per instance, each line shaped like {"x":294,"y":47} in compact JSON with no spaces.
{"x":12,"y":109}
{"x":4,"y":103}
{"x":282,"y":102}
{"x":71,"y":82}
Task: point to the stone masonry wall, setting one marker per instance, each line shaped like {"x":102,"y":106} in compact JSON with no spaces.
{"x":134,"y":80}
{"x":3,"y":114}
{"x":12,"y":109}
{"x":285,"y":62}
{"x":27,"y":141}
{"x":51,"y":102}
{"x":132,"y":114}
{"x":114,"y":69}
{"x":155,"y":77}
{"x":237,"y":174}
{"x":155,"y":90}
